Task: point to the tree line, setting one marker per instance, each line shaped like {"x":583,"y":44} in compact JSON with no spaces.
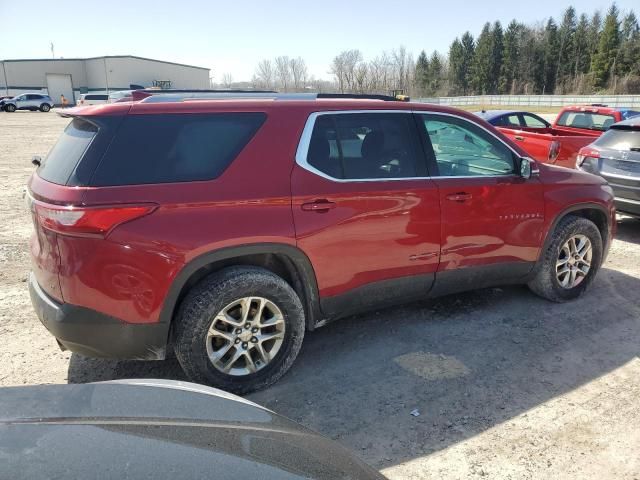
{"x":575,"y":54}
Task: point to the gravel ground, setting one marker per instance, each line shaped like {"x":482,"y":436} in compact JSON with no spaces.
{"x":506,"y":385}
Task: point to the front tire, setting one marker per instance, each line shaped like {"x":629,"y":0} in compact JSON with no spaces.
{"x":239,"y":329}
{"x":45,"y":107}
{"x":570,"y":262}
{"x":10,"y":108}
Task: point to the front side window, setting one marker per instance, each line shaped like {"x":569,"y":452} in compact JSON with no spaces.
{"x":509,"y":121}
{"x":462,"y":149}
{"x":533,"y":122}
{"x":360,"y":146}
{"x":175,"y":148}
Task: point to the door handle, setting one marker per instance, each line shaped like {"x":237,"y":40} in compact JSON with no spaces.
{"x":459,"y":197}
{"x":318,"y":206}
{"x":520,"y":138}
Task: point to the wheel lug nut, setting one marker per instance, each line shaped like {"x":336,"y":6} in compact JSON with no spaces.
{"x":254,"y":330}
{"x":254,"y":340}
{"x":238,"y":331}
{"x":247,"y":326}
{"x":237,"y":340}
{"x":245,"y":345}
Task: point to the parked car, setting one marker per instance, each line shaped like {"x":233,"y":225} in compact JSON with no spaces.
{"x":93,"y":99}
{"x":513,"y":119}
{"x":575,"y":127}
{"x":120,"y":96}
{"x":4,"y":98}
{"x":158,"y":429}
{"x":615,"y":156}
{"x":29,"y":101}
{"x":226,"y":229}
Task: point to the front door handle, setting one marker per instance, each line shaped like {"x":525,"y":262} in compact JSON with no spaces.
{"x":459,"y":197}
{"x":520,"y":138}
{"x":319,"y":206}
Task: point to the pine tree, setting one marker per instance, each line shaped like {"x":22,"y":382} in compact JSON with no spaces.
{"x":510,"y":59}
{"x":456,"y":67}
{"x":581,"y":47}
{"x":629,"y":58}
{"x":422,"y":70}
{"x":435,"y":71}
{"x":497,"y":46}
{"x":482,"y":61}
{"x":603,"y":64}
{"x":566,"y":34}
{"x":468,"y":55}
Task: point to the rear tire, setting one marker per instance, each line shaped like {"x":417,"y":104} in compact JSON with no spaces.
{"x":570,"y":262}
{"x":10,"y":108}
{"x":214,"y":325}
{"x":45,"y":107}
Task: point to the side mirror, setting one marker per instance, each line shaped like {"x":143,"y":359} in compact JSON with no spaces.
{"x":528,"y":168}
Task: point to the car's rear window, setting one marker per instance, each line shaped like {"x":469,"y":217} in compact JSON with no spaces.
{"x":619,"y":139}
{"x":175,"y":148}
{"x":67,"y":152}
{"x":586,"y":120}
{"x":96,"y":97}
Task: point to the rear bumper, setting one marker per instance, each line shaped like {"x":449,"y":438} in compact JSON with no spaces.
{"x":95,"y":334}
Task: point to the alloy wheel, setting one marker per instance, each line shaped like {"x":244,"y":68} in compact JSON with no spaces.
{"x":574,"y":261}
{"x":245,"y":336}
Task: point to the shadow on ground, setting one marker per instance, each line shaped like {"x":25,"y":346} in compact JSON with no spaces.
{"x":628,"y":230}
{"x":465,"y":362}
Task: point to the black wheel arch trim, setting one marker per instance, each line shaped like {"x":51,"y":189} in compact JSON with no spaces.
{"x":568,"y":211}
{"x":296,"y":258}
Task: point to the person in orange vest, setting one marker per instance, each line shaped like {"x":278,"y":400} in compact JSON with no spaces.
{"x":64,"y":101}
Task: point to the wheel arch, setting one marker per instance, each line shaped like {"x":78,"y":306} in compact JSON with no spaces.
{"x":591,"y":211}
{"x":284,"y":260}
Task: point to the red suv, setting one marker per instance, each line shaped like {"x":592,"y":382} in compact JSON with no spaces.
{"x":224,"y":228}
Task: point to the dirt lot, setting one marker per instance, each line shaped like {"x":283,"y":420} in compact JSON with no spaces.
{"x":507,"y":385}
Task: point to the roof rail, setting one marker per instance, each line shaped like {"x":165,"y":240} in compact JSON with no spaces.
{"x":163,"y":96}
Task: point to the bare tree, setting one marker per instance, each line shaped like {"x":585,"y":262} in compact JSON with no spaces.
{"x":298,"y":69}
{"x":344,"y":68}
{"x":227,"y":80}
{"x":264,"y":75}
{"x":283,"y":72}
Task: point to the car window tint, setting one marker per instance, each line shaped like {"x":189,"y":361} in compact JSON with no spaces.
{"x":511,"y":120}
{"x":175,"y":148}
{"x":67,"y":152}
{"x":463,"y":149}
{"x":533,"y":122}
{"x":364,"y":146}
{"x":96,"y":97}
{"x":586,"y":120}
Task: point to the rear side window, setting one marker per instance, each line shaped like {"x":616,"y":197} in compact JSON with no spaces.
{"x":362,"y":146}
{"x":67,"y":152}
{"x":586,"y":120}
{"x":175,"y":148}
{"x":96,"y":97}
{"x":618,"y":139}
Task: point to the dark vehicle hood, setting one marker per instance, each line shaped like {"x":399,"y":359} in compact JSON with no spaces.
{"x":159,"y":430}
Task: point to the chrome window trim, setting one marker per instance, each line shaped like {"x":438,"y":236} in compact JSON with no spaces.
{"x":305,"y":140}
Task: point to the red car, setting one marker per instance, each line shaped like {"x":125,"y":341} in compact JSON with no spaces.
{"x":226,"y":227}
{"x":574,"y":128}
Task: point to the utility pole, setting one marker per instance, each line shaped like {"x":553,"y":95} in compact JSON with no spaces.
{"x":53,"y":54}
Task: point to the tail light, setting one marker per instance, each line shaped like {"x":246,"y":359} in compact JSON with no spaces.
{"x":587,"y":159}
{"x":554,"y":150}
{"x":87,"y":221}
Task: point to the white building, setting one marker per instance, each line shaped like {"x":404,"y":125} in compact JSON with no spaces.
{"x":71,"y":77}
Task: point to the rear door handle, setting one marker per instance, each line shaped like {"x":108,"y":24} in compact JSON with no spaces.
{"x":520,"y":138}
{"x":459,"y":197}
{"x":318,"y":206}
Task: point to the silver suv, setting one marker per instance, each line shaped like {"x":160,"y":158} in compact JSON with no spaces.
{"x":28,"y":101}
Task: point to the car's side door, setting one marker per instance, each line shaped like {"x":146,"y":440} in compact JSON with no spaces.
{"x":21,"y":101}
{"x":33,"y":100}
{"x":366,"y":213}
{"x":492,"y":217}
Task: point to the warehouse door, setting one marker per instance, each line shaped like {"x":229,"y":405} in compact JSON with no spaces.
{"x":60,"y":84}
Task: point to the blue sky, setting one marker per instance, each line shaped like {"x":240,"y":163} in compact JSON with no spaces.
{"x":233,"y":36}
